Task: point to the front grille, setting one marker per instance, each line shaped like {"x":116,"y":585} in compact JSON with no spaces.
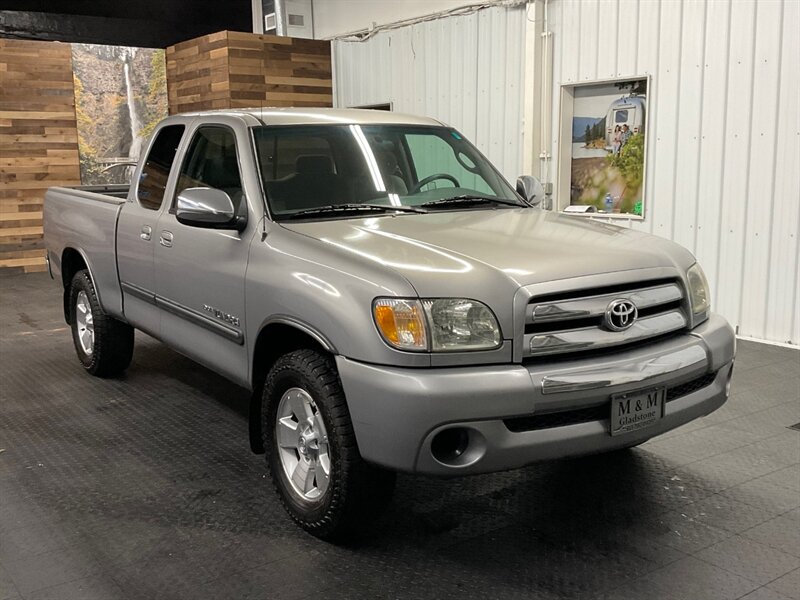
{"x":575,"y":322}
{"x":596,"y":413}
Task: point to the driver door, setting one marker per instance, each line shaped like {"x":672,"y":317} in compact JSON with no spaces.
{"x":200,"y":272}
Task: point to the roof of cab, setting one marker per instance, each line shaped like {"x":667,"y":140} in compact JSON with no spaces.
{"x":319,"y":116}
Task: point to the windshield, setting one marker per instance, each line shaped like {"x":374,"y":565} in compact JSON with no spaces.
{"x":320,"y":169}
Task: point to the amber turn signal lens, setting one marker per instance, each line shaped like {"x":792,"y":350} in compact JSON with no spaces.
{"x":401,"y":323}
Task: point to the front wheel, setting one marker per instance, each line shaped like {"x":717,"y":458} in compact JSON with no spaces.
{"x":314,"y":462}
{"x":104,"y":345}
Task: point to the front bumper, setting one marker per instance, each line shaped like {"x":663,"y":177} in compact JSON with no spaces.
{"x":396,"y":412}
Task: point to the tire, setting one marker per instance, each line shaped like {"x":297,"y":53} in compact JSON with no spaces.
{"x":336,"y":505}
{"x":104,"y":345}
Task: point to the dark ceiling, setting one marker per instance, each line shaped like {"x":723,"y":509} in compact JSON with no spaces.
{"x":145,"y":23}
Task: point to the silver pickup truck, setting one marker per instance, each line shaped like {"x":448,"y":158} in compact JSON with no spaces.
{"x":392,"y":302}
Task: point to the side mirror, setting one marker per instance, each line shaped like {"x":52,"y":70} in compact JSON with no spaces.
{"x":207,"y":207}
{"x":531,"y":189}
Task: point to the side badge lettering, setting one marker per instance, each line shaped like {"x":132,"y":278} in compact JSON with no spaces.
{"x":222,"y":316}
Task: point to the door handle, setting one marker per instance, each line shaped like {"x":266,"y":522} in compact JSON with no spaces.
{"x":166,"y":239}
{"x":147,"y":232}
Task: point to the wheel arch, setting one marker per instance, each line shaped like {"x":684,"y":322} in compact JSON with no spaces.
{"x":277,"y":336}
{"x":72,"y":261}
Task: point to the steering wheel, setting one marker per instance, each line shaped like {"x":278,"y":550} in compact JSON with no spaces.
{"x":434,"y":177}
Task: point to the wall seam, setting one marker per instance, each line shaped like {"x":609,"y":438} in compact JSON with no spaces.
{"x":749,"y":163}
{"x":772,"y":179}
{"x":677,"y":123}
{"x":723,"y":157}
{"x":700,"y":130}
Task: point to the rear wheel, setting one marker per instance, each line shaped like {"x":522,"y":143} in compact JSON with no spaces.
{"x":314,"y":462}
{"x":104,"y":345}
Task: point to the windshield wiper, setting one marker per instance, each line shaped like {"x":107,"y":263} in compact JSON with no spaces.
{"x":351,"y":208}
{"x":469,"y":199}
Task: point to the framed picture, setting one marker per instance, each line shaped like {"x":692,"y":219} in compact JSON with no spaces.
{"x":603,"y":149}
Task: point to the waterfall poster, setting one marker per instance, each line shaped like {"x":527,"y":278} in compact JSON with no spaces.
{"x":120,"y":96}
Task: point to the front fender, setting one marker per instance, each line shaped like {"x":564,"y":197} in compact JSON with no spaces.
{"x":299,"y":281}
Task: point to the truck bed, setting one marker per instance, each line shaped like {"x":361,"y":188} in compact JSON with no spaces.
{"x":85,"y":219}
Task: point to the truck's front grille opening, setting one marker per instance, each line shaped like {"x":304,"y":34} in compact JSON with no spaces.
{"x":599,"y":412}
{"x":576,"y":322}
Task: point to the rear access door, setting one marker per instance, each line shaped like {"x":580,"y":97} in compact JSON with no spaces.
{"x":136,"y":229}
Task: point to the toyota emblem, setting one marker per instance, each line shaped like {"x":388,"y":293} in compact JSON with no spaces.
{"x":620,"y":314}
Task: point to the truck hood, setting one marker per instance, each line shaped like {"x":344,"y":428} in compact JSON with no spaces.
{"x":440,"y":253}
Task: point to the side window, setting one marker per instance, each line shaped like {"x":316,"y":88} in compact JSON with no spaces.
{"x":155,"y":172}
{"x":432,"y":155}
{"x":211,"y":162}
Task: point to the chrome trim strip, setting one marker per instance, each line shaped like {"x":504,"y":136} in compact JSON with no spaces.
{"x":179,"y":310}
{"x":563,"y":310}
{"x":138,"y":292}
{"x":184,"y":312}
{"x":590,"y":338}
{"x":594,"y":378}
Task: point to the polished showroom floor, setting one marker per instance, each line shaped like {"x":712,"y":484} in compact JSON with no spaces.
{"x":145,"y":487}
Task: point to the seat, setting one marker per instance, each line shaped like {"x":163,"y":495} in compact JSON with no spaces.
{"x":222,"y":173}
{"x":390,"y":171}
{"x":312,"y":184}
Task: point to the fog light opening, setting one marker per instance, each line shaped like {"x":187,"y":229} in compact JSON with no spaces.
{"x":449,"y":445}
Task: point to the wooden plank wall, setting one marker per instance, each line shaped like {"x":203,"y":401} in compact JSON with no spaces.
{"x":38,"y":144}
{"x":197,"y":74}
{"x":243,"y":70}
{"x":279,"y":71}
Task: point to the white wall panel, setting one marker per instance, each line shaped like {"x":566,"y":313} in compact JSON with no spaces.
{"x":712,"y":153}
{"x":783,"y":292}
{"x":723,"y":164}
{"x":465,"y":71}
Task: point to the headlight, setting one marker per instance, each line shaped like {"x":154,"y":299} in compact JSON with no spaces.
{"x":459,"y":324}
{"x":699,"y":294}
{"x":436,"y":324}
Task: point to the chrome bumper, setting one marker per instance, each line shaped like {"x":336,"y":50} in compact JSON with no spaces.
{"x":397,"y":412}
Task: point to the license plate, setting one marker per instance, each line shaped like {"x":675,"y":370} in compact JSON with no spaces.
{"x":636,"y":410}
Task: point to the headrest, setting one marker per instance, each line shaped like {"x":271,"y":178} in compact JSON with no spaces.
{"x":387,"y":162}
{"x":313,"y":164}
{"x":223,"y":172}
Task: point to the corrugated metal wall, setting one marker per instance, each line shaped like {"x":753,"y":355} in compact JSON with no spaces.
{"x":723,"y":170}
{"x":465,"y":71}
